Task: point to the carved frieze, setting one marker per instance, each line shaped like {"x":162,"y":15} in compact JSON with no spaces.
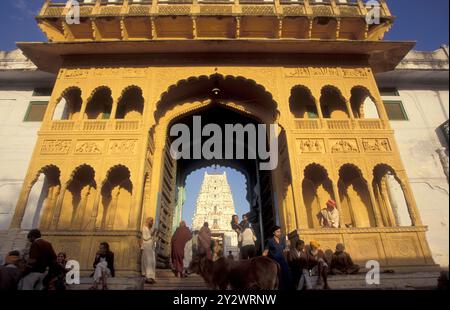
{"x":123,"y":147}
{"x":89,"y":147}
{"x":326,"y":71}
{"x":311,"y":145}
{"x":78,"y":73}
{"x":59,"y":147}
{"x":376,"y":145}
{"x":344,"y":146}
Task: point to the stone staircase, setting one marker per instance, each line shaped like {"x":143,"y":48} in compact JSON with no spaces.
{"x":167,"y":281}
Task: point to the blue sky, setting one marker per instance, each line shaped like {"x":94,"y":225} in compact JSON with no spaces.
{"x":423,"y":21}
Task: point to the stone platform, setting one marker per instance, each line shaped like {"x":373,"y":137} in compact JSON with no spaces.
{"x":167,"y":281}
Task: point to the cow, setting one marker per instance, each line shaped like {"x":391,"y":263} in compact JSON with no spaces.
{"x":259,"y":273}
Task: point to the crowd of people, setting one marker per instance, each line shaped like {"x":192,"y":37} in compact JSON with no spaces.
{"x":302,"y":266}
{"x":40,"y":268}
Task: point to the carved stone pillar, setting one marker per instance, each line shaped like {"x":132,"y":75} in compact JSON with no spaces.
{"x":410,"y":202}
{"x":94,"y":214}
{"x":20,"y":207}
{"x":338,"y":202}
{"x":58,"y":208}
{"x":390,"y":197}
{"x":375,"y":207}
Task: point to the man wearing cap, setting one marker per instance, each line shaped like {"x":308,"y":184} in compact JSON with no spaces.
{"x":341,"y":262}
{"x":329,"y":216}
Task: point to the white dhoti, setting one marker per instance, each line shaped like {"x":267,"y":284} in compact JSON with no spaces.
{"x":148,"y":258}
{"x":187,"y":254}
{"x":101,"y":270}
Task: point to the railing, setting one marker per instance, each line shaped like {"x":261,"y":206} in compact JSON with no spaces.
{"x":62,"y":125}
{"x":124,"y":125}
{"x":370,"y":124}
{"x":94,"y":125}
{"x":350,"y":8}
{"x":310,"y":124}
{"x":338,"y":124}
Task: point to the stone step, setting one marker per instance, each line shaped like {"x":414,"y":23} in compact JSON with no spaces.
{"x":167,"y":281}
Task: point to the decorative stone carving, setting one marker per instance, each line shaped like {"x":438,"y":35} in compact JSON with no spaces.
{"x":54,"y":147}
{"x":88,"y":147}
{"x":75,"y":73}
{"x":311,"y":146}
{"x":123,"y":147}
{"x":376,"y":145}
{"x":344,"y":146}
{"x":325,"y":71}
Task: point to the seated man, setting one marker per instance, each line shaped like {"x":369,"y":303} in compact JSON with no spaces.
{"x":42,"y":256}
{"x":329,"y":216}
{"x":317,"y":264}
{"x":341,"y":262}
{"x":10,"y":272}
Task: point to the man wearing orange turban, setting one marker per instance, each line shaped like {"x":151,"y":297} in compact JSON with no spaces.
{"x":329,"y":216}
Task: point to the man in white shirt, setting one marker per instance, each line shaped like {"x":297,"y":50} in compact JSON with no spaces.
{"x":329,"y":216}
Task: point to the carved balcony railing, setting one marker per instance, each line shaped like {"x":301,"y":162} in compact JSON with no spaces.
{"x":119,"y":20}
{"x":330,"y":8}
{"x":338,"y":124}
{"x":125,"y":125}
{"x":94,"y":125}
{"x":310,"y":124}
{"x":370,"y":124}
{"x":62,"y":125}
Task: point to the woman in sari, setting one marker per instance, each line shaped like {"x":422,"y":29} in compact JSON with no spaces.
{"x":181,"y":236}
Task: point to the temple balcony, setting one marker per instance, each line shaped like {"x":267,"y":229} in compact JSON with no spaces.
{"x":117,"y":20}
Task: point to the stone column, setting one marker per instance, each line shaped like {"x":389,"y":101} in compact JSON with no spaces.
{"x":410,"y":202}
{"x":94,"y":215}
{"x":375,"y":207}
{"x":338,"y":202}
{"x":393,"y":203}
{"x":20,"y":207}
{"x":58,"y":208}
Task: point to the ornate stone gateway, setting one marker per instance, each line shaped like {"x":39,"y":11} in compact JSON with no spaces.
{"x":131,"y":69}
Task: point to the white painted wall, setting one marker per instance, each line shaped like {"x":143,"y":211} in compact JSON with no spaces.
{"x":17,"y":143}
{"x":418,"y":141}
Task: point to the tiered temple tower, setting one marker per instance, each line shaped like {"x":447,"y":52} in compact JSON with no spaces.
{"x":215,"y":205}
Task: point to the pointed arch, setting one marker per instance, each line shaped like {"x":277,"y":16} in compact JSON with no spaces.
{"x":355,"y":196}
{"x":42,"y":196}
{"x":99,"y":104}
{"x":116,"y":198}
{"x":317,"y":188}
{"x":302,"y":103}
{"x":333,"y":103}
{"x":363,"y":103}
{"x":131,"y":103}
{"x":78,"y":200}
{"x":388,"y":189}
{"x":68,"y":104}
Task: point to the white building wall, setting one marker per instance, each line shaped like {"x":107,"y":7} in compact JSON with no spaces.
{"x":418,"y":139}
{"x":17,"y":142}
